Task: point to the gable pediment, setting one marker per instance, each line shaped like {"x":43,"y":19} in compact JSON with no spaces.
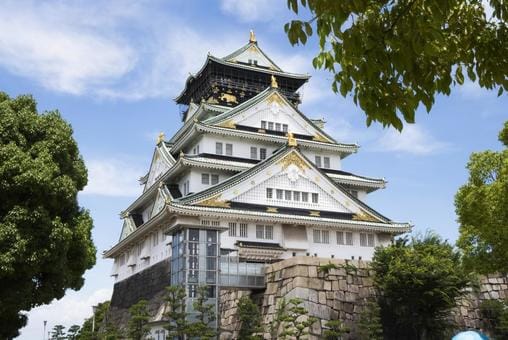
{"x":287,"y":180}
{"x":158,"y":167}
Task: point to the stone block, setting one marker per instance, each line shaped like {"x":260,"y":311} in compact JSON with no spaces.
{"x":343,"y":285}
{"x":327,"y":285}
{"x":315,"y":283}
{"x":313,"y":272}
{"x":494,"y":295}
{"x":301,"y":282}
{"x":322,"y":298}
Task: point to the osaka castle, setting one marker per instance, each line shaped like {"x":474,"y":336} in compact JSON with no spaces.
{"x":248,"y":179}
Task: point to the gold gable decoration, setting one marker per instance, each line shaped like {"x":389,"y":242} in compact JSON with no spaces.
{"x":362,"y":216}
{"x":293,"y":158}
{"x":161,"y":137}
{"x":272,"y":210}
{"x":252,"y":36}
{"x":274,"y":82}
{"x":216,"y":202}
{"x":275,"y":98}
{"x":228,"y":124}
{"x":292,"y":140}
{"x":320,"y":138}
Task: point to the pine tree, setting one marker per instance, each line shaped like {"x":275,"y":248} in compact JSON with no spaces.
{"x":177,"y":316}
{"x":205,"y":316}
{"x":250,"y":319}
{"x":137,"y":327}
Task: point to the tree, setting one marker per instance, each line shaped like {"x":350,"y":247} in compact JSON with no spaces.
{"x":58,"y":333}
{"x":72,"y":332}
{"x":418,"y":281}
{"x":250,"y":319}
{"x":104,"y":330}
{"x":294,"y":319}
{"x":481,"y":205}
{"x":45,"y":236}
{"x":205,"y":315}
{"x":138,"y":322}
{"x":369,"y":325}
{"x":335,"y":330}
{"x":495,"y":317}
{"x":393,"y":56}
{"x":177,"y":316}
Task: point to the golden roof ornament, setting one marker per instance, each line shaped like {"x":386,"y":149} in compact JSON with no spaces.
{"x":291,"y":139}
{"x":252,"y":37}
{"x":274,"y":82}
{"x":161,"y":138}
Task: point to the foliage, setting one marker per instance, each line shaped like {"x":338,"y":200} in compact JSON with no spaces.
{"x":294,"y":319}
{"x":418,"y":282}
{"x":205,"y":315}
{"x":325,"y":268}
{"x":495,"y":316}
{"x":176,"y":314}
{"x":137,"y":327}
{"x":369,"y":325}
{"x":481,"y":205}
{"x":335,"y":330}
{"x":72,"y":332}
{"x":393,"y":56}
{"x":104,"y":330}
{"x":58,"y":333}
{"x":250,"y":319}
{"x":348,"y":267}
{"x":45,"y":236}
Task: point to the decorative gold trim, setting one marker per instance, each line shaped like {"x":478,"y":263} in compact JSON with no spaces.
{"x":275,"y":98}
{"x":320,"y":138}
{"x":292,"y":140}
{"x":314,"y":213}
{"x":295,"y":159}
{"x":274,"y":82}
{"x":161,"y":137}
{"x":215,"y":201}
{"x":252,"y":36}
{"x":230,"y":124}
{"x":261,"y":130}
{"x":272,"y":210}
{"x":362,"y":216}
{"x":228,"y":98}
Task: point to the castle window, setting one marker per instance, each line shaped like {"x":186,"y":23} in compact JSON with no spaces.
{"x":263,"y":124}
{"x":253,"y":152}
{"x":260,"y":231}
{"x":305,"y":196}
{"x":318,"y":161}
{"x":277,"y":127}
{"x":370,"y":240}
{"x":349,"y":238}
{"x":321,"y":236}
{"x":264,"y":232}
{"x":287,"y":195}
{"x":215,"y":179}
{"x":232,"y":229}
{"x":279,"y":193}
{"x":366,"y":240}
{"x":270,"y":125}
{"x":269,"y":193}
{"x":314,"y":197}
{"x":229,"y":149}
{"x":284,"y":127}
{"x":218,"y":148}
{"x":326,"y":161}
{"x":262,"y":153}
{"x":243,"y":230}
{"x":296,"y":196}
{"x":205,"y":178}
{"x":340,"y":237}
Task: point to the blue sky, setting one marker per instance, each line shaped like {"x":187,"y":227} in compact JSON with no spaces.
{"x":112,"y":68}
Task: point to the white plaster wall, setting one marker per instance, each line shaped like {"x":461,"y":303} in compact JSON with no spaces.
{"x":241,"y":147}
{"x":195,"y":178}
{"x":335,"y":162}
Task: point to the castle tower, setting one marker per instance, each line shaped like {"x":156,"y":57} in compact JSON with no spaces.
{"x":248,"y":179}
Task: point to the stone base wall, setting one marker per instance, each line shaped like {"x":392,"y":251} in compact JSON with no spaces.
{"x":338,"y":294}
{"x":148,"y":284}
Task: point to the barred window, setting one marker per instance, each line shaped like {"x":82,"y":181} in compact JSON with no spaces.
{"x":349,"y":238}
{"x":243,"y":230}
{"x":277,"y":126}
{"x":284,"y":127}
{"x":340,"y":237}
{"x":318,"y":161}
{"x":305,"y":196}
{"x":269,"y":193}
{"x":205,"y":179}
{"x":263,"y":124}
{"x":218,"y":148}
{"x":260,"y":231}
{"x":326,"y":161}
{"x":321,"y":236}
{"x":287,"y":195}
{"x":262,"y":153}
{"x":232,"y":228}
{"x":296,"y":196}
{"x":363,"y":240}
{"x":268,"y":232}
{"x":253,"y":152}
{"x":215,"y":179}
{"x":314,"y":197}
{"x":229,"y":149}
{"x":270,"y":125}
{"x":316,"y":236}
{"x":279,"y":193}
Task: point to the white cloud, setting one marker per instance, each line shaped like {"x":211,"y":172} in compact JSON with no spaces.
{"x":413,"y":140}
{"x":112,"y":177}
{"x":52,"y":45}
{"x":72,"y":309}
{"x":252,"y":10}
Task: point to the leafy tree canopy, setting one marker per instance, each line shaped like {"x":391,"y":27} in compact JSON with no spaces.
{"x":45,"y":236}
{"x":393,"y":56}
{"x":482,"y":209}
{"x":418,"y":281}
{"x":138,"y":323}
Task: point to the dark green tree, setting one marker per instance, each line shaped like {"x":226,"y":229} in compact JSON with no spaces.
{"x":369,"y":325}
{"x":335,"y":329}
{"x":58,"y":333}
{"x":494,"y":314}
{"x":418,"y":281}
{"x":104,"y":330}
{"x":294,"y":319}
{"x":205,"y":315}
{"x":481,"y":205}
{"x":176,"y":315}
{"x":250,"y":319}
{"x":393,"y":56}
{"x":72,"y":332}
{"x":137,"y":327}
{"x":45,"y":236}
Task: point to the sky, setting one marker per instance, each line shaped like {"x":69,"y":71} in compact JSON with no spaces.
{"x":112,"y":68}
